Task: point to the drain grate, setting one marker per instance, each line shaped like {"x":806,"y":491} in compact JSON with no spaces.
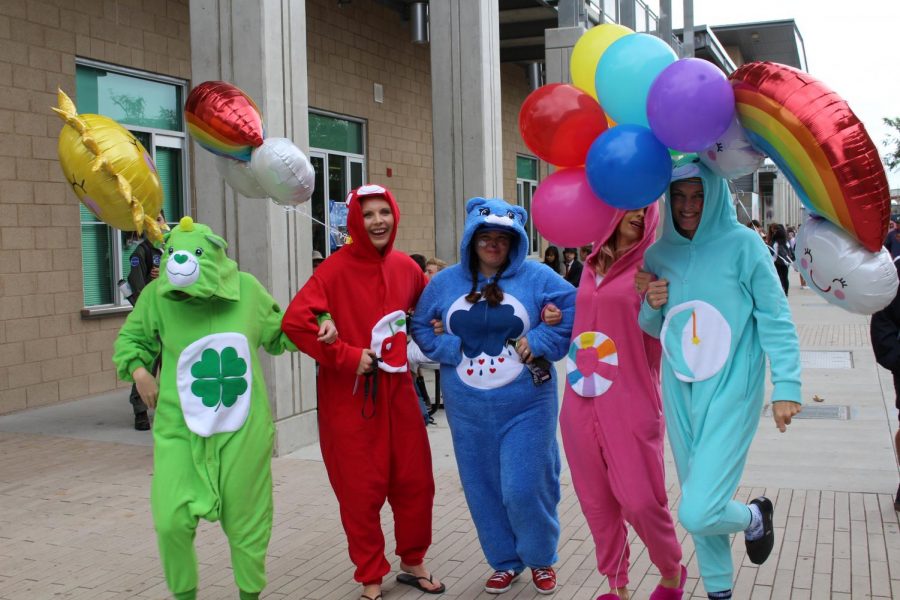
{"x":826,"y":359}
{"x":834,"y":412}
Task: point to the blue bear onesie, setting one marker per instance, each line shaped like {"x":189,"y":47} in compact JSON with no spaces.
{"x":725,"y":313}
{"x":503,"y":426}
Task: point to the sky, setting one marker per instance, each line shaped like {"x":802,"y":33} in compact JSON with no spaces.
{"x":851,"y":46}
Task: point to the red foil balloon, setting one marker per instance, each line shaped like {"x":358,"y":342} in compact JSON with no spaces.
{"x":819,"y":144}
{"x":223,"y":119}
{"x":559,"y":122}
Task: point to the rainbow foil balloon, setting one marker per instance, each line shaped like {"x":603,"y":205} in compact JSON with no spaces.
{"x":223,"y":119}
{"x":819,"y":144}
{"x":109,"y":170}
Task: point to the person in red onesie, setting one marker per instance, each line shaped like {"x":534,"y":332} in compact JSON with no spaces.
{"x":371,"y":430}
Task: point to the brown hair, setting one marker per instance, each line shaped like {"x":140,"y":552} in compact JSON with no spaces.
{"x":607,"y":255}
{"x":440,"y":264}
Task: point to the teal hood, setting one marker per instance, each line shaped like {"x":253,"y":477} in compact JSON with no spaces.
{"x":718,"y":217}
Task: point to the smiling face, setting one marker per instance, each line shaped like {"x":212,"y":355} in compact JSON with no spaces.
{"x":492,"y":248}
{"x":378,"y":219}
{"x":631,"y":228}
{"x":687,"y":206}
{"x":841,"y":271}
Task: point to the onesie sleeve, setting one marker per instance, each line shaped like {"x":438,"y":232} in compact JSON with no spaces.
{"x":886,"y":338}
{"x":650,"y":319}
{"x":444,"y":348}
{"x":137,"y":344}
{"x":301,"y":325}
{"x":269,"y":316}
{"x":552,"y":342}
{"x":777,"y":333}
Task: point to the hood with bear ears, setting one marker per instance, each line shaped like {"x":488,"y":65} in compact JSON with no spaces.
{"x":718,"y":217}
{"x":498,"y":215}
{"x":194,"y":264}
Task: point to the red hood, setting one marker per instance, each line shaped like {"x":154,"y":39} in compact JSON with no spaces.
{"x":362,"y":245}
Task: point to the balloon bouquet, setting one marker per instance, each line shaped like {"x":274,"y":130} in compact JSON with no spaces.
{"x":634,"y":106}
{"x":224,"y":120}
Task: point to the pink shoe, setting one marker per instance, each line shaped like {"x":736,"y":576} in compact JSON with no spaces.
{"x":663,"y":593}
{"x":608,"y":597}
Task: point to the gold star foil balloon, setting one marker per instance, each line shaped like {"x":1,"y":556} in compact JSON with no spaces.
{"x":109,"y":170}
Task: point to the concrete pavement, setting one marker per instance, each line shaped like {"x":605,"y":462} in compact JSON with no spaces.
{"x":75,"y":523}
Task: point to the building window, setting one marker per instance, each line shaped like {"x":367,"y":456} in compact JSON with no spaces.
{"x":337,"y":151}
{"x":526,"y":183}
{"x":149,"y":106}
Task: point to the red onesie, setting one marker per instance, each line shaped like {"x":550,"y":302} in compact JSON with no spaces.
{"x":372,"y":453}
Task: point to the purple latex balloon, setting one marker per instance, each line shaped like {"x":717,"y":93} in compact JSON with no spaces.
{"x":690,"y":105}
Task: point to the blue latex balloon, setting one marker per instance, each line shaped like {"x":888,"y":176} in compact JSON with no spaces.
{"x":628,"y":167}
{"x":625,"y":73}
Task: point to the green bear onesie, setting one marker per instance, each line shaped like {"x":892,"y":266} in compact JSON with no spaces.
{"x":213,"y":431}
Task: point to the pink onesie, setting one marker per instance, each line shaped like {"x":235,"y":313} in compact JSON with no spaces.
{"x":611,"y":418}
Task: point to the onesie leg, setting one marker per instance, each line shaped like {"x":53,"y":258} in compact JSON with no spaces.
{"x":529,"y":476}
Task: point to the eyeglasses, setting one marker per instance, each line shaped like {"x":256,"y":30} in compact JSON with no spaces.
{"x":497,"y":239}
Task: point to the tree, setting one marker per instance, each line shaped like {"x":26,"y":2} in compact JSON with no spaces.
{"x":892,"y":142}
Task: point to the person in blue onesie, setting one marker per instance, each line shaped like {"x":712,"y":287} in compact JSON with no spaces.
{"x":718,"y":309}
{"x":503,"y":425}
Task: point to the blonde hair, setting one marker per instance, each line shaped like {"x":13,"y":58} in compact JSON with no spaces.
{"x":440,"y":264}
{"x":607,"y":255}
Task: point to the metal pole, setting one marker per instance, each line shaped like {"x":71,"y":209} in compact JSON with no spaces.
{"x":665,"y":21}
{"x":688,"y":28}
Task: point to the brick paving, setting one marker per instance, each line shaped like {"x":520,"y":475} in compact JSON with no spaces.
{"x":75,"y":523}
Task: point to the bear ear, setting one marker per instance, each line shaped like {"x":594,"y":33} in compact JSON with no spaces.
{"x":166,"y":237}
{"x":521,"y":214}
{"x":216,"y":241}
{"x":473,"y":204}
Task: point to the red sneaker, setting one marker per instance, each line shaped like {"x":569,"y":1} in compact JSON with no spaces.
{"x":500,"y":582}
{"x":544,"y":580}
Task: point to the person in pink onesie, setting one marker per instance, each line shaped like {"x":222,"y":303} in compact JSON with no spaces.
{"x":611,"y":418}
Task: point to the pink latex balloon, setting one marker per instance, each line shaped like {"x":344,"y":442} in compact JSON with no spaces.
{"x":567,"y":212}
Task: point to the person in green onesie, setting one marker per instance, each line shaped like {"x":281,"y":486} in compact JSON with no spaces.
{"x":213,"y":433}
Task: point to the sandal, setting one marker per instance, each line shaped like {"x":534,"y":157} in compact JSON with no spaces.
{"x":412,"y":580}
{"x":364,"y":597}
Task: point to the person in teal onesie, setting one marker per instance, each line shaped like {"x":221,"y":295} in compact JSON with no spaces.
{"x":718,"y":309}
{"x":213,"y":432}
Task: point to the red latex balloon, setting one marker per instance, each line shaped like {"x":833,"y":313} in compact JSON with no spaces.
{"x":223,"y":119}
{"x":819,"y":144}
{"x":559,"y":122}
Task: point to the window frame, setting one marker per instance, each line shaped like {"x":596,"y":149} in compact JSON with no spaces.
{"x":534,"y":237}
{"x":350,"y":159}
{"x":159,"y":138}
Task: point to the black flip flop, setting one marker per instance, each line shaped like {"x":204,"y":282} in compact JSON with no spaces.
{"x":412,"y":580}
{"x":378,"y":597}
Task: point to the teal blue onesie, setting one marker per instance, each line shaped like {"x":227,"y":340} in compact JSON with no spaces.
{"x":726,"y":312}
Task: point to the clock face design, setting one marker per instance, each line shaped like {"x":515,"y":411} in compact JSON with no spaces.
{"x":696,"y":340}
{"x":591,"y":364}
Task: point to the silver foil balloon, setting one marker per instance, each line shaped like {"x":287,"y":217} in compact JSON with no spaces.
{"x":240,"y":177}
{"x":732,"y":155}
{"x":283,"y":171}
{"x":842,"y":271}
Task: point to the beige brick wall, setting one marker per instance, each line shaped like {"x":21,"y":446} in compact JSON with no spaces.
{"x":48,"y":353}
{"x":350,"y":49}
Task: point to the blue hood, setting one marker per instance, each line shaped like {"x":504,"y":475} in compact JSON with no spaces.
{"x":496,"y":214}
{"x":718,"y":217}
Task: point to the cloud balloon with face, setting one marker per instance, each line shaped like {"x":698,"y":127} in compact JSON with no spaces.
{"x":840,"y":270}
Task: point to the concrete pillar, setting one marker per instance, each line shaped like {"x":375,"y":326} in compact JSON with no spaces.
{"x":260,"y":46}
{"x":467,"y":123}
{"x":558,"y":44}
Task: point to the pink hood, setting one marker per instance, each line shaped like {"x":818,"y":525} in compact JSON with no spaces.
{"x":611,"y":309}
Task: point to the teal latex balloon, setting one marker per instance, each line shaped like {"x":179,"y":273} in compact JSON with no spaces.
{"x":625,"y":73}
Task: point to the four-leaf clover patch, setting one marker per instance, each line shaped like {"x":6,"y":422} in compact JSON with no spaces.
{"x":219,"y":378}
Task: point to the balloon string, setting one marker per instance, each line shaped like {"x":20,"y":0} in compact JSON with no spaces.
{"x":300,"y":210}
{"x":786,"y":260}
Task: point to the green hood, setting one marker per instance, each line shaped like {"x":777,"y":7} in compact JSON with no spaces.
{"x":194,"y":263}
{"x":718,"y":217}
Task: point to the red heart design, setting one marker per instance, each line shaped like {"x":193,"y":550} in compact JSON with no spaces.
{"x":493,"y":370}
{"x":501,"y":359}
{"x":470,"y":371}
{"x":480,"y":361}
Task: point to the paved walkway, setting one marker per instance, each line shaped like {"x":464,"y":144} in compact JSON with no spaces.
{"x":75,"y":522}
